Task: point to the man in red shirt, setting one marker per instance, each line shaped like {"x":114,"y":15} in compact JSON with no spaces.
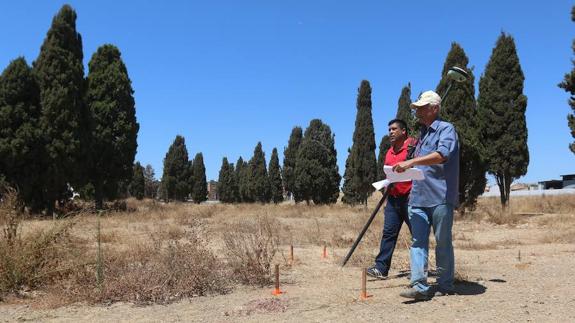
{"x":395,"y":212}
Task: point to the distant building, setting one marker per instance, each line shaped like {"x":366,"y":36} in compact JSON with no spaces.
{"x":568,"y":181}
{"x":213,"y":191}
{"x":553,"y":184}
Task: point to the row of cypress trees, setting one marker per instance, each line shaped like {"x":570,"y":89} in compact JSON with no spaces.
{"x":491,"y":128}
{"x":251,"y":181}
{"x":58,"y":128}
{"x":183,"y":178}
{"x":310,"y":171}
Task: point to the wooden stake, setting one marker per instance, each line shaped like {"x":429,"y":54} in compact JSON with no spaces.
{"x":277,"y":290}
{"x":363,"y":294}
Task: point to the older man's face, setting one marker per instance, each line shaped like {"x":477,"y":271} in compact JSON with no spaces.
{"x":427,"y":114}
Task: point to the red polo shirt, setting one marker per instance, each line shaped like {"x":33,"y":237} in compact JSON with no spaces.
{"x":392,"y":158}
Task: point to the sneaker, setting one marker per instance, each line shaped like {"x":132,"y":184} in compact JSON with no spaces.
{"x":376,"y":273}
{"x":414,"y":294}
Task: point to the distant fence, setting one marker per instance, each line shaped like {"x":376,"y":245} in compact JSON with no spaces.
{"x":495,"y":192}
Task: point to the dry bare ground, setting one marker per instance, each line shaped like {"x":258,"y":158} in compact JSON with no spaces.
{"x":212,"y":263}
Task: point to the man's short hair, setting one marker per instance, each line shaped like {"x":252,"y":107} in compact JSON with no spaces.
{"x":401,"y":123}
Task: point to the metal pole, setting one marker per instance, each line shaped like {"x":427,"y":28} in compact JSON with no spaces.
{"x":366,"y":226}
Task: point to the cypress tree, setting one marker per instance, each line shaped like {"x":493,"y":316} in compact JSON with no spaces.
{"x":290,"y":157}
{"x":227,"y":187}
{"x":316,"y":172}
{"x":405,"y":113}
{"x":21,"y":145}
{"x":502,"y":106}
{"x":384,"y":146}
{"x":151,"y":184}
{"x":568,"y":85}
{"x":362,"y":162}
{"x":200,"y":186}
{"x":242,"y":178}
{"x":138,"y":184}
{"x":175,"y":179}
{"x":114,"y":131}
{"x":275,"y":179}
{"x":460,"y":109}
{"x":350,"y":196}
{"x":60,"y":75}
{"x":258,"y":180}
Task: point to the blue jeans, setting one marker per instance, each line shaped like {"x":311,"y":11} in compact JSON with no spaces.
{"x":395,"y":213}
{"x":422,"y":219}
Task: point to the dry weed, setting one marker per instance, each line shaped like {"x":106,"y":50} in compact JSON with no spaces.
{"x":35,"y":259}
{"x":160,"y":271}
{"x":251,"y":248}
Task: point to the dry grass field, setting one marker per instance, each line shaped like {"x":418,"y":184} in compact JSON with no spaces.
{"x":184,"y":262}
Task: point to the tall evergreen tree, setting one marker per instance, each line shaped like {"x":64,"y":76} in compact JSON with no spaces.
{"x":259,"y":184}
{"x":242,"y":178}
{"x":460,"y":109}
{"x":568,"y":85}
{"x":405,"y":113}
{"x":290,"y":157}
{"x":60,"y":75}
{"x":114,"y":130}
{"x":227,"y":186}
{"x":502,"y":106}
{"x":384,"y":146}
{"x":21,"y":145}
{"x":138,"y":184}
{"x":151,"y":183}
{"x":200,"y":188}
{"x":362,"y":162}
{"x":316,"y":172}
{"x":275,"y":178}
{"x":350,"y":196}
{"x":175,"y":179}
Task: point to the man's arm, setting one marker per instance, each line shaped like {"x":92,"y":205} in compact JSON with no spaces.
{"x":429,"y":159}
{"x":447,"y":144}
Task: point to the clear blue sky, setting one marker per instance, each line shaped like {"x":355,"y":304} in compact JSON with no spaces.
{"x":227,"y":74}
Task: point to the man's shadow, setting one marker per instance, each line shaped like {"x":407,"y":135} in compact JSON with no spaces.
{"x":461,"y":287}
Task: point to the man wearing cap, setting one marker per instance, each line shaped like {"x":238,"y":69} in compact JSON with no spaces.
{"x":433,"y":199}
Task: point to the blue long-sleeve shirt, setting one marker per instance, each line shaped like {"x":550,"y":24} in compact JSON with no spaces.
{"x":441,"y":183}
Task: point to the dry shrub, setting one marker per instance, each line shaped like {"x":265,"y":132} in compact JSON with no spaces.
{"x":35,"y":259}
{"x":155,"y":272}
{"x":490,"y":210}
{"x":251,"y":248}
{"x":564,"y":236}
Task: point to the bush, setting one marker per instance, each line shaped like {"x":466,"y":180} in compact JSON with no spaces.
{"x":158,"y":272}
{"x":251,"y":249}
{"x":32,"y":260}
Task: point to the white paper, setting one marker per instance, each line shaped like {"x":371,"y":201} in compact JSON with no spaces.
{"x":381,"y":184}
{"x":410,"y":174}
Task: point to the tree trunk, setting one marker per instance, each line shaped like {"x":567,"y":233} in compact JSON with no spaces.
{"x":98,"y":196}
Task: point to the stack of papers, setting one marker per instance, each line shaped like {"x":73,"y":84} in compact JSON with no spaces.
{"x":411,"y":174}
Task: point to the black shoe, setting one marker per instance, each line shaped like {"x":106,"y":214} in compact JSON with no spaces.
{"x":376,"y":273}
{"x":414,"y":294}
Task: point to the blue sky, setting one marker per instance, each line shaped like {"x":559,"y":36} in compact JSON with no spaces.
{"x":227,"y":74}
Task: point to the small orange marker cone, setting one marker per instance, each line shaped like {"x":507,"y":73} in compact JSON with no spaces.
{"x":277,"y":290}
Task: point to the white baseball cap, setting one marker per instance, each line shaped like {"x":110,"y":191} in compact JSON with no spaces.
{"x":427,"y":97}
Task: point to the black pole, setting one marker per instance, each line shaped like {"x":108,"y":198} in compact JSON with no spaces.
{"x":366,"y":226}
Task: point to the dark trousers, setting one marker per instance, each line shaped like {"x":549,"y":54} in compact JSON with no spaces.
{"x":395,"y":213}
